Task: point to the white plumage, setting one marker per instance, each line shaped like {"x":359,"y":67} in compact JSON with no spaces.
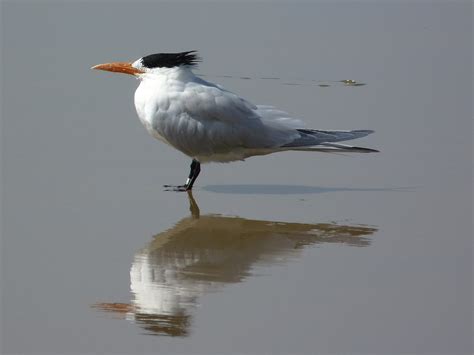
{"x":210,"y":124}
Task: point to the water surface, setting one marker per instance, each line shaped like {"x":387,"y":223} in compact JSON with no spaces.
{"x":203,"y":253}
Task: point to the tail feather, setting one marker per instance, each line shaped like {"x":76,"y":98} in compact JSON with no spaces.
{"x":323,"y":141}
{"x":349,"y":148}
{"x":328,"y":149}
{"x":336,"y":136}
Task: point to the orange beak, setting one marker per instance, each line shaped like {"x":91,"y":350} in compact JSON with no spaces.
{"x":119,"y":67}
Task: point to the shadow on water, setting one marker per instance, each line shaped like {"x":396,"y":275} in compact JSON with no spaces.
{"x":283,"y":189}
{"x":203,"y":253}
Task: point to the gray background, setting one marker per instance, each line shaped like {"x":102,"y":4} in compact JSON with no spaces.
{"x":81,"y":179}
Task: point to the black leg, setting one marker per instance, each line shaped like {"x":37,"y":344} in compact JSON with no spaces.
{"x":195,"y":170}
{"x":193,"y":174}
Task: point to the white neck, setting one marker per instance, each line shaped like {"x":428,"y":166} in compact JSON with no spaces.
{"x":181,"y":73}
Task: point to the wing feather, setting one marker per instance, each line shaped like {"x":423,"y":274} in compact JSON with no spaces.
{"x":229,"y":118}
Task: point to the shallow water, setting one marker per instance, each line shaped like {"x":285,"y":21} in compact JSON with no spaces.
{"x":288,"y":253}
{"x":203,"y":253}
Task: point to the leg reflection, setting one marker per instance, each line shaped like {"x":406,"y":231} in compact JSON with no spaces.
{"x":193,"y":206}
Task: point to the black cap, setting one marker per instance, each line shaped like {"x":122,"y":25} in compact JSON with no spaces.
{"x":170,"y":60}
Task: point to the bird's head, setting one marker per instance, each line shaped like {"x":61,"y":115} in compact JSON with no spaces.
{"x":151,"y":63}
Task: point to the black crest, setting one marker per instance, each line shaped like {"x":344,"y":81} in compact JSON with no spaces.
{"x":170,"y":60}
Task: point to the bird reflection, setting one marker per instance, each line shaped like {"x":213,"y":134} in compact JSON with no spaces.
{"x":201,"y":254}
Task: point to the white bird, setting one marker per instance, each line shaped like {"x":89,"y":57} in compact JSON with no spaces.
{"x":210,"y":124}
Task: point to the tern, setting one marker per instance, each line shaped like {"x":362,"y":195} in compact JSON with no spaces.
{"x":211,"y":124}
